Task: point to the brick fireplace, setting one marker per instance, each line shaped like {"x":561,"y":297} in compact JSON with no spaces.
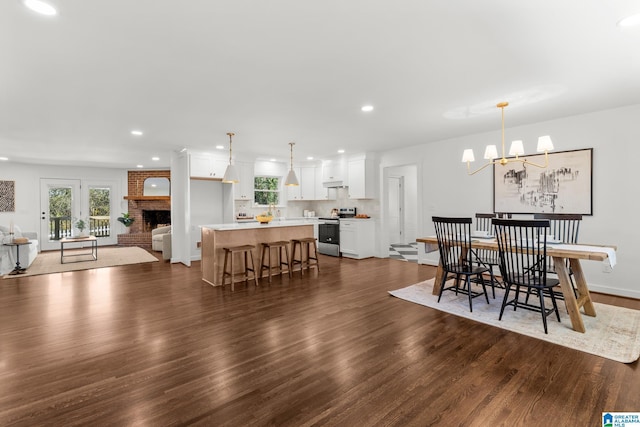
{"x":149,"y":212}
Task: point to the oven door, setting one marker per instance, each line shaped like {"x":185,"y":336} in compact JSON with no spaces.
{"x":329,"y":239}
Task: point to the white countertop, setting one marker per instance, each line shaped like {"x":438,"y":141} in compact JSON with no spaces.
{"x":273,"y":224}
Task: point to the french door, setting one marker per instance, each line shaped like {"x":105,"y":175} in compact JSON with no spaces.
{"x":63,"y":201}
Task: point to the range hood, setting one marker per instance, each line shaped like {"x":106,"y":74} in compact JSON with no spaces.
{"x":333,"y":184}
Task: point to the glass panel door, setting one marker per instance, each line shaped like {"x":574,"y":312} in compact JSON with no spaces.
{"x":99,"y":196}
{"x":60,"y":206}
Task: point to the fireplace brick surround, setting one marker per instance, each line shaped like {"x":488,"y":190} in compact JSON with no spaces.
{"x":137,"y":236}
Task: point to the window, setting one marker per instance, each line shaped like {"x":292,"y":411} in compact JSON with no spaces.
{"x":266,"y":190}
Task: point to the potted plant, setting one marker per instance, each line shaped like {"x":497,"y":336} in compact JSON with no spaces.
{"x":126,"y":219}
{"x":80,"y":224}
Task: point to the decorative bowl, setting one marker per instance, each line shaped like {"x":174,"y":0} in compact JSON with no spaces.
{"x":263,"y":219}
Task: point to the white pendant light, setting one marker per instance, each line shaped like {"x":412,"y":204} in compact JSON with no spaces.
{"x":292,"y":179}
{"x":231,"y":174}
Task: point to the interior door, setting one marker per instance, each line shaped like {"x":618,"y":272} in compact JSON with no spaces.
{"x":59,"y":206}
{"x":396,"y":210}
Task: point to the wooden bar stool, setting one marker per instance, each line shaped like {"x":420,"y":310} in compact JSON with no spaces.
{"x":266,"y":253}
{"x":247,"y":251}
{"x":309,"y":261}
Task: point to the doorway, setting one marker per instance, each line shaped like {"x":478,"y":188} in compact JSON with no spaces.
{"x":395,"y":210}
{"x":64,"y":201}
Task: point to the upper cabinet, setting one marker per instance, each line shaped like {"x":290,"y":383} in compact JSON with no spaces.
{"x":310,"y":187}
{"x":362,"y":178}
{"x":206,"y":166}
{"x":334,"y":171}
{"x":243,"y":190}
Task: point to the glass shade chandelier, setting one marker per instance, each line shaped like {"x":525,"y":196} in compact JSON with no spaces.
{"x":517,"y":149}
{"x":292,"y":179}
{"x":231,"y":174}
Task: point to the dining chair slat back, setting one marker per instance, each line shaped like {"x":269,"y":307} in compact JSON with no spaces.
{"x":456,"y":256}
{"x":522,"y":248}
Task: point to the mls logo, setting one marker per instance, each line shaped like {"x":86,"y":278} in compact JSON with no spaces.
{"x":607,"y":420}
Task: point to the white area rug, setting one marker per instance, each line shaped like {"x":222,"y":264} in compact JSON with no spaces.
{"x":614,"y":333}
{"x":49,"y":262}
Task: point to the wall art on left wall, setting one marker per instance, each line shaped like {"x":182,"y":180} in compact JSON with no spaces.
{"x":7,"y":196}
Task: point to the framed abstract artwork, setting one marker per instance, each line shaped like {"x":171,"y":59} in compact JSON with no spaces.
{"x":7,"y":196}
{"x":565,"y":186}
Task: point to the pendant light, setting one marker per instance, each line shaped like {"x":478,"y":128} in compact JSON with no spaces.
{"x":292,"y":179}
{"x":231,"y":174}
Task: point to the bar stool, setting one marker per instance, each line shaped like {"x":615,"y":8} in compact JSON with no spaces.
{"x":311,"y":261}
{"x":247,"y":251}
{"x":266,"y":249}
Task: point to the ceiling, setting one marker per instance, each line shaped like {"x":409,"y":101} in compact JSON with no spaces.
{"x":72,"y":87}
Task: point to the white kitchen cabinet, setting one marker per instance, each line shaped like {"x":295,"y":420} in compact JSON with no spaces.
{"x":243,"y":190}
{"x":357,"y":238}
{"x":206,"y":166}
{"x":310,"y":188}
{"x":334,"y":170}
{"x":361,"y":178}
{"x":321,"y":192}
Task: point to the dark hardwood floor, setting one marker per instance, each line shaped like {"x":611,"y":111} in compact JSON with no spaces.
{"x":153,"y":345}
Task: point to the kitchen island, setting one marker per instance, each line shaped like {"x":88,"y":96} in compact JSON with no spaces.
{"x":217,"y":236}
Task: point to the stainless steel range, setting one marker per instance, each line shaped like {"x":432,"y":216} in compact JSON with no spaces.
{"x":329,"y":232}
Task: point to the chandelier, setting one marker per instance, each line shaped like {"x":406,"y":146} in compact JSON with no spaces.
{"x":517,"y":149}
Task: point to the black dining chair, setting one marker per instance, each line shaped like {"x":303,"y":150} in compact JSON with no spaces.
{"x":456,"y":257}
{"x":564,"y":228}
{"x":522,"y":246}
{"x":486,"y":257}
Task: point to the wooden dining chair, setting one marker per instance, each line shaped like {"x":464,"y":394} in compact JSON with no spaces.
{"x":522,"y":246}
{"x":456,"y":257}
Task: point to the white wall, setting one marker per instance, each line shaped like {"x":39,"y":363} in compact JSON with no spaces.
{"x":206,"y":208}
{"x":446,"y":189}
{"x":27,"y":189}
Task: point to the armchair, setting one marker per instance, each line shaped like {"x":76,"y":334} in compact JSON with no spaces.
{"x":161,"y":241}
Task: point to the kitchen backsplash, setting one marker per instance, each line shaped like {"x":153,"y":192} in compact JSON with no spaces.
{"x":322,"y":208}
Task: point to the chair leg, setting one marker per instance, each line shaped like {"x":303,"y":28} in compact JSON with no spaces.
{"x":484,"y":288}
{"x":542,"y":309}
{"x":444,"y":279}
{"x":224,"y":268}
{"x":504,"y":300}
{"x":231,"y":271}
{"x":468,"y":280}
{"x":253,"y":269}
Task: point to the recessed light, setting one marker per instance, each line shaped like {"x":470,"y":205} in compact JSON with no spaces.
{"x":155,"y":159}
{"x":4,"y":159}
{"x":136,"y":132}
{"x":40,"y":7}
{"x":630,"y":21}
{"x":310,"y":158}
{"x":220,"y":147}
{"x":272,"y":160}
{"x":341,"y":151}
{"x":140,"y":166}
{"x":367,"y":108}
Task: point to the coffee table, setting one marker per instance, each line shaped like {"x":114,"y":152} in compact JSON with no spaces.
{"x":93,"y":253}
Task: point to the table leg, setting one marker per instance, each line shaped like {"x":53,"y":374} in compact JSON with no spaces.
{"x":584,"y":297}
{"x":438,"y":280}
{"x":569,"y":297}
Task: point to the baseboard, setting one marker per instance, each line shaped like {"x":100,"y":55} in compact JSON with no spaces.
{"x":614,"y":291}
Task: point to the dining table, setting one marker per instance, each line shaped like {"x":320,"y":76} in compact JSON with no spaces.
{"x":562,"y":254}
